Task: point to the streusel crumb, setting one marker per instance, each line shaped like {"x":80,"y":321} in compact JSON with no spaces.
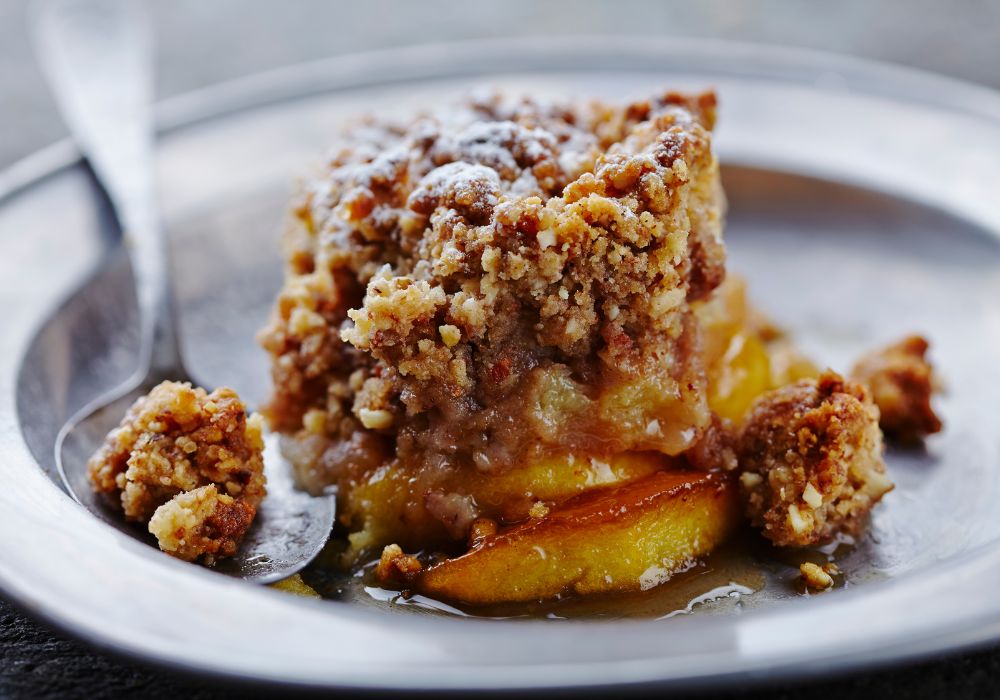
{"x":190,"y":464}
{"x":811,"y":462}
{"x":816,"y":577}
{"x":902,"y":383}
{"x":395,"y":566}
{"x":201,"y":523}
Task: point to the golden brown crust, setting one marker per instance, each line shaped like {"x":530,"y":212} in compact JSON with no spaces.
{"x":811,"y":461}
{"x":902,"y":383}
{"x":471,"y":252}
{"x":182,"y":441}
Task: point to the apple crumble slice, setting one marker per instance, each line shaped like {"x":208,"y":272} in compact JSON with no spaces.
{"x":810,"y":456}
{"x":902,"y":382}
{"x":507,"y":283}
{"x":507,"y":337}
{"x":189,"y":464}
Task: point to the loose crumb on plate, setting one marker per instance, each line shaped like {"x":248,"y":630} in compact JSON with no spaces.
{"x":811,"y":461}
{"x":395,"y":566}
{"x":902,"y":382}
{"x":816,"y":577}
{"x":188,"y":463}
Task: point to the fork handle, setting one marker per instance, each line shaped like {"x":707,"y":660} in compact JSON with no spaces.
{"x":96,"y":55}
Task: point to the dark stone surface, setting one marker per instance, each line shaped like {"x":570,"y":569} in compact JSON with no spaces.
{"x":205,"y":42}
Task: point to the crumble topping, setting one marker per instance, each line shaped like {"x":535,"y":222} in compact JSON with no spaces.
{"x":190,"y":464}
{"x":902,"y":381}
{"x":811,"y":460}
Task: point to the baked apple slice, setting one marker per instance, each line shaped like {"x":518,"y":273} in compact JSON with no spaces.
{"x":404,"y":506}
{"x":628,"y":538}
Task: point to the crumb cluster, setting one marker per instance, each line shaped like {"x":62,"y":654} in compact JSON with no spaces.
{"x":190,"y":464}
{"x":394,"y":566}
{"x":811,"y":462}
{"x":476,"y":288}
{"x":201,"y":523}
{"x":902,"y":382}
{"x":816,"y":577}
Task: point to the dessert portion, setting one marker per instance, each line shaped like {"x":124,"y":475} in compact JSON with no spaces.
{"x":508,"y":340}
{"x":480,"y":307}
{"x":902,"y":382}
{"x":507,"y":337}
{"x":190,"y":464}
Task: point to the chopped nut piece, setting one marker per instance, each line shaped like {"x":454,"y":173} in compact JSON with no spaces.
{"x":375,"y":419}
{"x":815,"y":576}
{"x":314,"y":421}
{"x":812,"y":497}
{"x":811,"y":456}
{"x":395,"y":566}
{"x":538,"y":510}
{"x":190,"y":464}
{"x":902,"y":382}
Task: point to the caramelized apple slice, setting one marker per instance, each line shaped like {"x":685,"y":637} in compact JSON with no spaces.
{"x":628,"y":538}
{"x":391,"y":504}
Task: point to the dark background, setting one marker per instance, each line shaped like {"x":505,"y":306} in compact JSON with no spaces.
{"x":201,"y":42}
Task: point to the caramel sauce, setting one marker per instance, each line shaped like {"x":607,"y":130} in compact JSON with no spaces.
{"x":744,"y":573}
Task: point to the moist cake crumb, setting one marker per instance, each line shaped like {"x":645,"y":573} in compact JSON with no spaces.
{"x":188,"y":463}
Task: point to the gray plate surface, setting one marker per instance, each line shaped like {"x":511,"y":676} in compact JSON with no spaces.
{"x":863,"y":206}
